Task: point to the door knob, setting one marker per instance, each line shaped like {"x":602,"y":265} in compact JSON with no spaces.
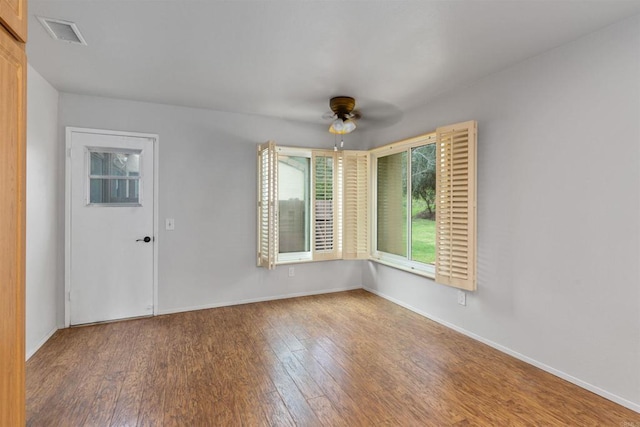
{"x":146,"y":239}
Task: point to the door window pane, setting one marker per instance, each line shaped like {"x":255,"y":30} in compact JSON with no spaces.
{"x":114,"y":177}
{"x":110,"y":191}
{"x":115,"y":164}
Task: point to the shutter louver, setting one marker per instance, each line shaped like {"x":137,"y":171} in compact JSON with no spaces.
{"x":456,"y":205}
{"x":325,"y":207}
{"x":355,"y":205}
{"x":267,"y":205}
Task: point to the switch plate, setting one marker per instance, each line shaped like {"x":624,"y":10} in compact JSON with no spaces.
{"x":462,"y":298}
{"x":169,"y":224}
{"x":292,"y":271}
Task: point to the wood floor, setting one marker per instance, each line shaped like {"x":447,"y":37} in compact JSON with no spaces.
{"x":350,"y":359}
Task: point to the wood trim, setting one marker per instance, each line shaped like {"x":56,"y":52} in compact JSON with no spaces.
{"x":403,"y":144}
{"x":12,"y":222}
{"x":13,"y":16}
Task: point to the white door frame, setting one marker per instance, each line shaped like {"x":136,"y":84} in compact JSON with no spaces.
{"x":67,"y":212}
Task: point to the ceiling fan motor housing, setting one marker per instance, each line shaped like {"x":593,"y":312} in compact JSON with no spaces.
{"x":342,"y":105}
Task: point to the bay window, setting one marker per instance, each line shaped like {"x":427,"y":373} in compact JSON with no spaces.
{"x":410,"y":204}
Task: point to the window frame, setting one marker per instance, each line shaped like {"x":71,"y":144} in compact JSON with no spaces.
{"x":302,"y":256}
{"x":133,"y":178}
{"x":393,"y":260}
{"x":268,"y":215}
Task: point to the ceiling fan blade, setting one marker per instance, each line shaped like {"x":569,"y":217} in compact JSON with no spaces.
{"x":378,"y":114}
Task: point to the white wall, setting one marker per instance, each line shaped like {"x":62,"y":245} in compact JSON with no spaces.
{"x":208,"y":185}
{"x":43,"y":260}
{"x":558,"y":212}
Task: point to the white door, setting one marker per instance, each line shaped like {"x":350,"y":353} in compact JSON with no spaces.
{"x":110,"y":218}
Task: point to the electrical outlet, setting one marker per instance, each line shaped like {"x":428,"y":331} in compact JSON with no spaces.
{"x":169,"y":224}
{"x":462,"y":298}
{"x":292,"y":271}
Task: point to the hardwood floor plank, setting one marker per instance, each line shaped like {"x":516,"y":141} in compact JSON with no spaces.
{"x":355,"y":382}
{"x":248,"y":409}
{"x":276,"y":411}
{"x":301,"y":377}
{"x":325,"y":411}
{"x":150,"y":412}
{"x":349,"y":410}
{"x":291,"y":395}
{"x":113,"y":372}
{"x":68,"y":393}
{"x":347,"y":358}
{"x":179,"y":409}
{"x":391,"y":369}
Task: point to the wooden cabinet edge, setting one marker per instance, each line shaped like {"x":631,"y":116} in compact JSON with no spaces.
{"x":15,"y":21}
{"x":13,"y":407}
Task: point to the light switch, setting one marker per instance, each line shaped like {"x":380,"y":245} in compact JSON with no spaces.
{"x":169,"y":224}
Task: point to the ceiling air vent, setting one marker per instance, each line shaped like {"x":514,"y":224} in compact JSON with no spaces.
{"x":62,"y":30}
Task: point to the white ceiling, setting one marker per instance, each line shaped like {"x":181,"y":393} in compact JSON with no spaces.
{"x":287,"y":58}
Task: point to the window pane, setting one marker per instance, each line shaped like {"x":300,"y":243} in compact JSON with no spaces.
{"x":423,"y":203}
{"x":115,"y":164}
{"x":392,"y":204}
{"x":108,"y":191}
{"x":293,"y":203}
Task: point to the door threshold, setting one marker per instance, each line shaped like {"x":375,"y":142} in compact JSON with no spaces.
{"x":125,"y":319}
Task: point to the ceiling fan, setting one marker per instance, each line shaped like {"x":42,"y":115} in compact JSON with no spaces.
{"x":343,"y":114}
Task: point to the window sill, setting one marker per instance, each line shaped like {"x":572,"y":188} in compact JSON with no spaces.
{"x":406,"y":268}
{"x":294,"y":257}
{"x":294,"y":261}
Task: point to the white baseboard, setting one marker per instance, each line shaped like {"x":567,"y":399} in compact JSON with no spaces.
{"x":580,"y":383}
{"x":252,"y":300}
{"x":41,"y":343}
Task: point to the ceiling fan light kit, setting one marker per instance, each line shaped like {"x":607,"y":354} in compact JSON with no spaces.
{"x":342,"y":107}
{"x":341,"y":126}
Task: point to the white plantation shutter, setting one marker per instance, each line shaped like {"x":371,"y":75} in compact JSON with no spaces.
{"x":456,"y":205}
{"x":267,"y":205}
{"x":325,"y":206}
{"x":339,"y":197}
{"x":356,"y":205}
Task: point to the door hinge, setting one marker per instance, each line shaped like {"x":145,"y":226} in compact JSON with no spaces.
{"x":69,"y":151}
{"x":69,"y":296}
